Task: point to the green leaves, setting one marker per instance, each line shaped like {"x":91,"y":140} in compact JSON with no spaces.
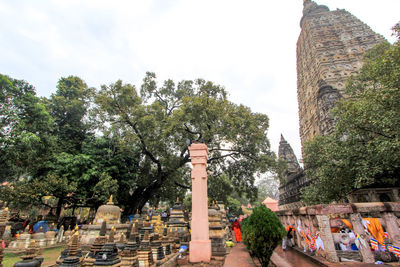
{"x":69,"y":108}
{"x":161,"y":119}
{"x":25,"y":129}
{"x":262,"y":233}
{"x":119,"y":140}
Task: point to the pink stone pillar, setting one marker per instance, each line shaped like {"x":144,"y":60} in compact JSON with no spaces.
{"x":200,"y":244}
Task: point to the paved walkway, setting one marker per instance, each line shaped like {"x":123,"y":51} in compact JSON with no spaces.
{"x":293,"y":258}
{"x":290,"y":258}
{"x":239,"y":257}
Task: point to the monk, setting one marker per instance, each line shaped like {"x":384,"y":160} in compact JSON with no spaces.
{"x":236,"y":229}
{"x":287,"y":240}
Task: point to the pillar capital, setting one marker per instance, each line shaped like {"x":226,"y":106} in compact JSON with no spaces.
{"x":198,"y":153}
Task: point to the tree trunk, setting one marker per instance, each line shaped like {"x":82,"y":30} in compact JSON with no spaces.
{"x":139,"y":198}
{"x":59,"y":207}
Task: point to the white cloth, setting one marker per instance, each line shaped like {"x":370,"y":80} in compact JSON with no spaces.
{"x":319,"y":243}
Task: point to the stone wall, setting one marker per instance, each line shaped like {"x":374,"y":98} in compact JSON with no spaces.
{"x":313,"y":226}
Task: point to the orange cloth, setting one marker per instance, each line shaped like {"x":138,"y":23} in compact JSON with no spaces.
{"x":288,"y":227}
{"x":335,"y":230}
{"x":347,"y":223}
{"x":238,"y":234}
{"x":375,"y":228}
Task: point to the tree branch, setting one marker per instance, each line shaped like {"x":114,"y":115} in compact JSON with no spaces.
{"x":183,"y":186}
{"x":223,"y":156}
{"x":375,"y":132}
{"x":144,"y":147}
{"x":192,"y":132}
{"x":162,"y":100}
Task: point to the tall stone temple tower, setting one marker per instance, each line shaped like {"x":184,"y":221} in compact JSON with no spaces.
{"x":329,"y":49}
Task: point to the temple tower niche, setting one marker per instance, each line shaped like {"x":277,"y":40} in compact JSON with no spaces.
{"x":286,"y":153}
{"x":327,"y":97}
{"x":329,"y":49}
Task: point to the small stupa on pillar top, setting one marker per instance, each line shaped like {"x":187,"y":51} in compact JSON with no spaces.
{"x":129,"y":253}
{"x":137,"y":219}
{"x":174,"y":243}
{"x":177,"y":222}
{"x":100,"y":240}
{"x":145,"y":242}
{"x":108,"y":212}
{"x":145,"y":256}
{"x":156,"y":248}
{"x":96,"y":246}
{"x":111,"y":236}
{"x":158,"y":224}
{"x":129,"y":256}
{"x":147,"y":228}
{"x":216,"y":231}
{"x":70,"y":257}
{"x":166,"y":242}
{"x":30,"y":257}
{"x":108,"y":256}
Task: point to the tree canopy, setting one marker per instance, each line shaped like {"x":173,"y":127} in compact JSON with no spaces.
{"x":364,"y":148}
{"x":86,"y":144}
{"x":25,"y":129}
{"x":160,"y":121}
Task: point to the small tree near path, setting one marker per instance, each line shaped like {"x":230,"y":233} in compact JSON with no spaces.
{"x":262,"y":233}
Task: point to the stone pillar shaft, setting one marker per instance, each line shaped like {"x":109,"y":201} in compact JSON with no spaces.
{"x":358,"y":228}
{"x":392,"y":227}
{"x":200,"y":244}
{"x":326,"y":236}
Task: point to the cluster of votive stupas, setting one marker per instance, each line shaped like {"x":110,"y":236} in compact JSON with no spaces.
{"x":144,"y":241}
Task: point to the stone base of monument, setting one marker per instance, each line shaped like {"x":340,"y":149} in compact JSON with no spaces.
{"x":200,"y":251}
{"x":214,"y":262}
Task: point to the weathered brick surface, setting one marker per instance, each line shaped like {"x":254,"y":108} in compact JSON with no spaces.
{"x":329,"y":50}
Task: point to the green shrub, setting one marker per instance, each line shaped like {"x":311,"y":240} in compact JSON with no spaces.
{"x":262,"y":233}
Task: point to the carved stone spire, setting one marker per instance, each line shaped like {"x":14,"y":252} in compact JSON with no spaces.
{"x":286,"y":153}
{"x":309,"y":8}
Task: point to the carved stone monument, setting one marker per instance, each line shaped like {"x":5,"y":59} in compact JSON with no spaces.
{"x":200,"y":244}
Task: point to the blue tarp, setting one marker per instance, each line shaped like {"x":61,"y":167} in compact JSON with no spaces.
{"x":43,"y":224}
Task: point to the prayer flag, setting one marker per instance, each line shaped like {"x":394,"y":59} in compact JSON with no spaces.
{"x":374,"y":244}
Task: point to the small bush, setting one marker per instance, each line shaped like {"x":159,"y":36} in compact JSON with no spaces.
{"x":262,"y":233}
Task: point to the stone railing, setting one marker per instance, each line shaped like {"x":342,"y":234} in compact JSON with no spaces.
{"x":318,"y":220}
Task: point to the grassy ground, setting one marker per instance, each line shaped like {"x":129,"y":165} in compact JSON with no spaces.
{"x":50,"y":256}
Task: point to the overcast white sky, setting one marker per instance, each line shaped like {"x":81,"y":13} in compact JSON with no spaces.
{"x":247,"y":46}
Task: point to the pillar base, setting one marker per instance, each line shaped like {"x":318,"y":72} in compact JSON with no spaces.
{"x":200,"y":251}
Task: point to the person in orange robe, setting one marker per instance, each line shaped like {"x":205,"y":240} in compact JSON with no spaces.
{"x":236,"y":229}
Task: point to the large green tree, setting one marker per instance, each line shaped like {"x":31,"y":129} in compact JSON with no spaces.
{"x":162,"y":120}
{"x":25,"y":130}
{"x":75,"y":167}
{"x":364,"y":149}
{"x":69,"y":107}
